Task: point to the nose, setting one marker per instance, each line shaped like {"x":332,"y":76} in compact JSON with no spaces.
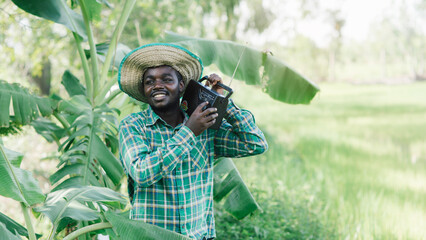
{"x":158,"y":83}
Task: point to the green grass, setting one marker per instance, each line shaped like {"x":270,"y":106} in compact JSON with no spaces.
{"x":352,"y":165}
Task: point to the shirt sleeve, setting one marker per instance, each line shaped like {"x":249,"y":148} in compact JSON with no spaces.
{"x":144,"y":165}
{"x":238,"y":135}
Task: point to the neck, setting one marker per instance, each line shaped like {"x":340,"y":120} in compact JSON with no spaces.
{"x":172,"y":116}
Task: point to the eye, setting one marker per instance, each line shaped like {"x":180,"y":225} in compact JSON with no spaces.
{"x":149,"y":81}
{"x":168,"y":80}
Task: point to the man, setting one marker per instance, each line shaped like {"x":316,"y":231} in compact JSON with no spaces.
{"x":167,"y":155}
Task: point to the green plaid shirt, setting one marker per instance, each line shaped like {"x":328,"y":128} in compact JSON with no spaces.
{"x":171,"y":170}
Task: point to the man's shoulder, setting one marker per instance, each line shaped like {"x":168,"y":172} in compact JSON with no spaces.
{"x":137,"y":117}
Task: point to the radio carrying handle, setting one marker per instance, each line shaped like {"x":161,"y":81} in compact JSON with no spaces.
{"x":228,"y":89}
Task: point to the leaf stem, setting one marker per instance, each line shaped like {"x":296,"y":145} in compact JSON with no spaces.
{"x":85,"y":64}
{"x":87,"y":229}
{"x":112,"y":96}
{"x":93,"y":55}
{"x":28,"y":223}
{"x":63,"y":121}
{"x":125,"y":13}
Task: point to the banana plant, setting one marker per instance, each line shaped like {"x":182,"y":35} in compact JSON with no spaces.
{"x":88,"y":169}
{"x":95,"y":205}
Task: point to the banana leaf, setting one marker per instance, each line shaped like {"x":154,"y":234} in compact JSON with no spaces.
{"x":26,"y":107}
{"x":72,"y":84}
{"x":15,"y":158}
{"x":13,"y":128}
{"x":230,"y":188}
{"x":71,"y":203}
{"x":56,"y":11}
{"x":94,"y":8}
{"x":6,"y":234}
{"x":259,"y":68}
{"x":107,"y":160}
{"x":47,"y":129}
{"x":17,"y":183}
{"x":133,"y":230}
{"x":84,"y":150}
{"x":13,"y":227}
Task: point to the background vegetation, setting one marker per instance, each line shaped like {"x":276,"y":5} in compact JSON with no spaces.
{"x":352,"y":165}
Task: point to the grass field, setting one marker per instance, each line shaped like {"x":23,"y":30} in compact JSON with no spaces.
{"x":351,"y":165}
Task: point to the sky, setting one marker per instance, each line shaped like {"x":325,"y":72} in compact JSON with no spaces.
{"x":359,"y":16}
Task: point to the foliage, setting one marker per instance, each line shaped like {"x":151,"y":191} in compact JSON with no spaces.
{"x":256,"y":68}
{"x":26,"y":107}
{"x":127,"y":228}
{"x":18,"y":183}
{"x":89,"y":130}
{"x":229,"y":185}
{"x":12,"y":227}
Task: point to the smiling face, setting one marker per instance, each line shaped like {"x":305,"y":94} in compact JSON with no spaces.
{"x":162,"y":87}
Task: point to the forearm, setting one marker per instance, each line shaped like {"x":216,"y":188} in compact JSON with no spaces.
{"x":239,"y":136}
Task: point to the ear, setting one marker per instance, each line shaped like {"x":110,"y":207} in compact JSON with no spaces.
{"x":181,"y":85}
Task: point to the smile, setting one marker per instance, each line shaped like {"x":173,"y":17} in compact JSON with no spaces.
{"x":160,"y":95}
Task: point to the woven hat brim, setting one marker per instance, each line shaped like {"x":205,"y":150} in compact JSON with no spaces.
{"x":135,"y":64}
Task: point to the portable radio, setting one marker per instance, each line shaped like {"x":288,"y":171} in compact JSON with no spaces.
{"x":196,"y":93}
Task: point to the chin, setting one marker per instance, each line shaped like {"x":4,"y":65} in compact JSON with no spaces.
{"x":164,"y":106}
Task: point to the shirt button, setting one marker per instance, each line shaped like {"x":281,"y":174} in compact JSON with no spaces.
{"x":183,"y":226}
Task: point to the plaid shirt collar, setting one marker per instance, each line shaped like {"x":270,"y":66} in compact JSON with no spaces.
{"x":152,"y":117}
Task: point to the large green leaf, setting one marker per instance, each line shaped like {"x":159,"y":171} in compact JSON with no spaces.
{"x":26,"y":107}
{"x":94,"y":8}
{"x":49,"y":130}
{"x":77,"y":105}
{"x":134,"y":230}
{"x":17,"y":183}
{"x":6,"y":234}
{"x":230,"y":188}
{"x":56,"y":11}
{"x":13,"y":226}
{"x":107,"y":160}
{"x":72,"y":84}
{"x":15,"y":158}
{"x":256,"y":67}
{"x":71,"y":203}
{"x":86,"y":158}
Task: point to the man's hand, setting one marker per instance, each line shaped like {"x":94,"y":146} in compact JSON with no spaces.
{"x":212,"y":81}
{"x":201,"y":120}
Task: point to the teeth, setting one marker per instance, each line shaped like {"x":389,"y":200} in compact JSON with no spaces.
{"x":159,"y":95}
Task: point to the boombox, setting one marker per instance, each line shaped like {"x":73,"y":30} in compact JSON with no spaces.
{"x":196,"y":93}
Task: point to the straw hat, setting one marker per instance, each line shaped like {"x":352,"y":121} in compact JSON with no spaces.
{"x":134,"y":65}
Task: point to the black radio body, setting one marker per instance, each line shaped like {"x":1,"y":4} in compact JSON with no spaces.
{"x":196,"y":93}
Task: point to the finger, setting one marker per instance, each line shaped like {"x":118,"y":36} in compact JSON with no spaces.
{"x":200,"y":106}
{"x":214,"y":79}
{"x":212,"y":117}
{"x":209,"y":111}
{"x":210,"y":123}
